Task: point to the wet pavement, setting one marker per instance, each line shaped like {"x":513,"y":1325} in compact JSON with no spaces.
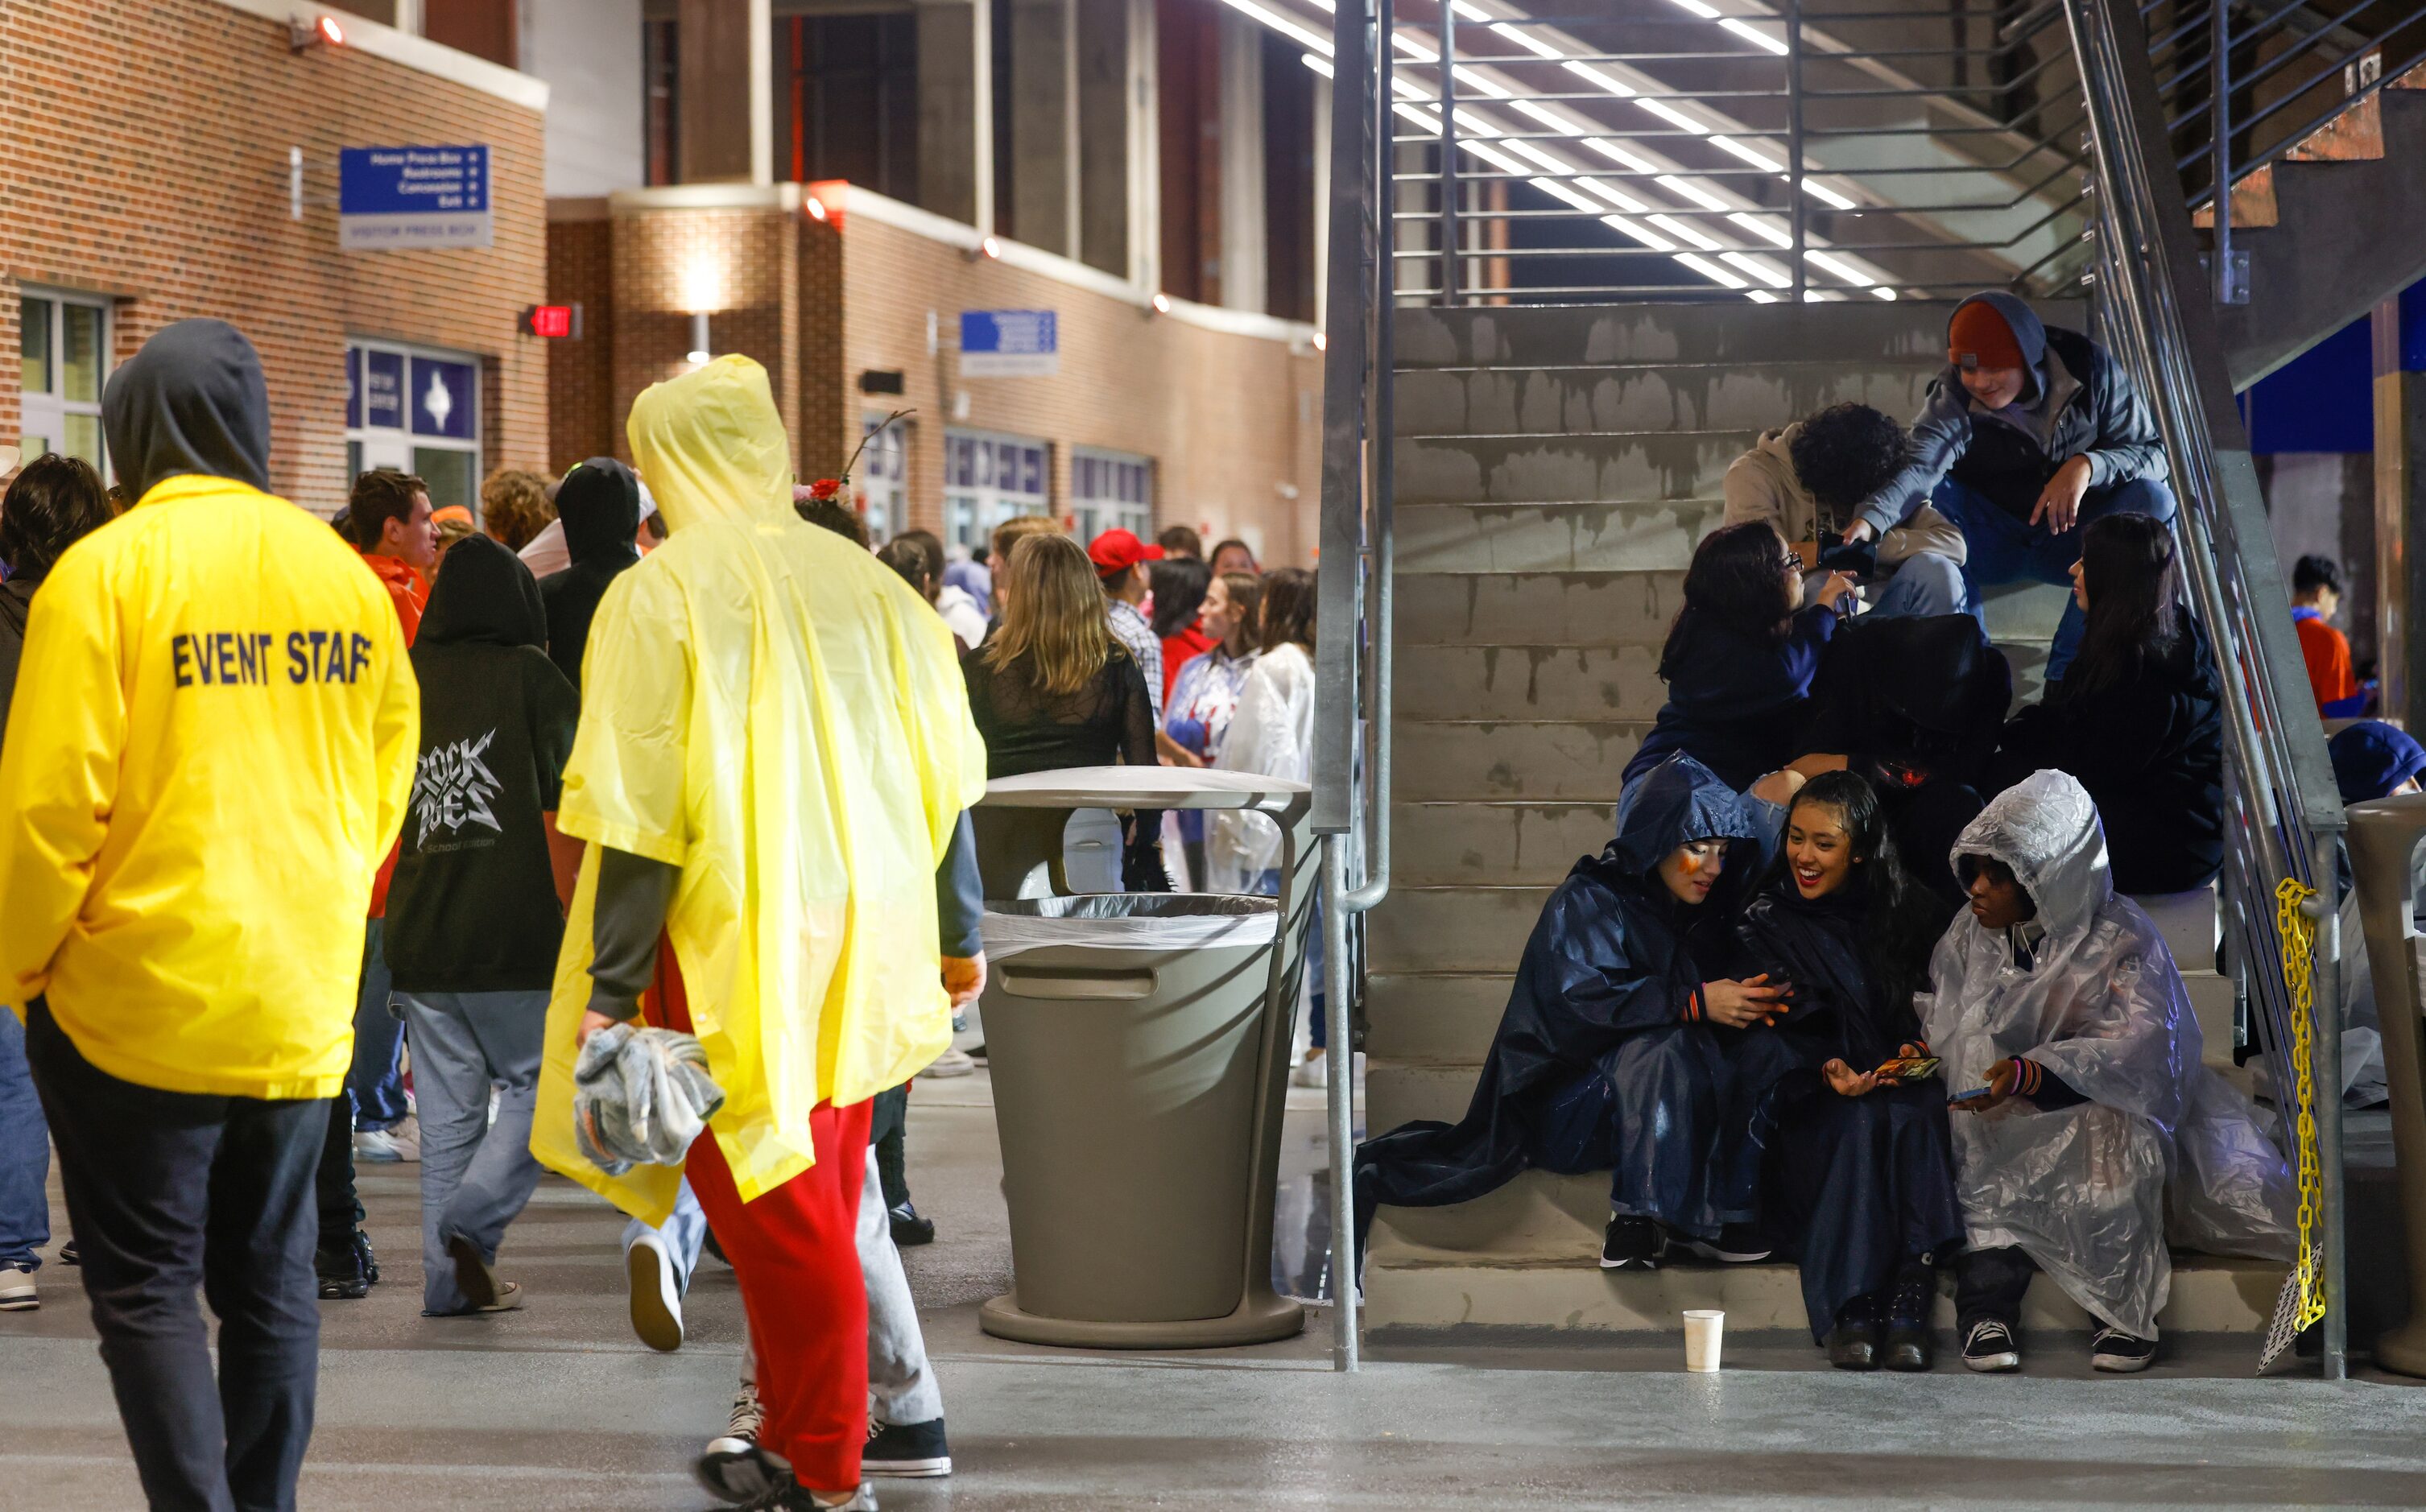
{"x":559,"y":1407}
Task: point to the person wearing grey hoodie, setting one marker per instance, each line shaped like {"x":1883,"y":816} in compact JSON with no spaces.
{"x":2030,"y":432}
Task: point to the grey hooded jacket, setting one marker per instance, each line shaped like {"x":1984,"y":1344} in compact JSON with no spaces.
{"x":2081,"y":404}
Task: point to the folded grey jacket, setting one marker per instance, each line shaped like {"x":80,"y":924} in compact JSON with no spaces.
{"x":640,"y":1096}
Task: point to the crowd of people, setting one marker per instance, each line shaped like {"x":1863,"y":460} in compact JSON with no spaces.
{"x":1861,"y":981}
{"x":339,"y":845}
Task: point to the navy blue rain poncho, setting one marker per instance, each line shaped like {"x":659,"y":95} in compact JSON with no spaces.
{"x":1857,"y":1185}
{"x":2372,"y":758}
{"x":1594,"y":1048}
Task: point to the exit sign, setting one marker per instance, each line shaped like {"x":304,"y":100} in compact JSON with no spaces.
{"x":553,"y":320}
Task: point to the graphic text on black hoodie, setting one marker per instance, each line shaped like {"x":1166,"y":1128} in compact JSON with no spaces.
{"x":454,"y":788}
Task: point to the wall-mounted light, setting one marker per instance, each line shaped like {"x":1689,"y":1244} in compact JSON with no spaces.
{"x":698,"y":354}
{"x":1161,"y":304}
{"x":320,"y":31}
{"x":815,"y":207}
{"x":989,"y":247}
{"x":1321,"y":342}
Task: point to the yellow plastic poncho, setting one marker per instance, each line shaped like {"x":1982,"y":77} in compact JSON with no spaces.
{"x":769,"y":708}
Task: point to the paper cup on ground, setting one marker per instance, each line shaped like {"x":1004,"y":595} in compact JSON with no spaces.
{"x":1704,"y":1328}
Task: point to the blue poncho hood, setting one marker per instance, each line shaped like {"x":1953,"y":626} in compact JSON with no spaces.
{"x":2372,"y":758}
{"x":1679,"y":800}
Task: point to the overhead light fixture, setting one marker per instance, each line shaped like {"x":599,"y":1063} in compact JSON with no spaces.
{"x":697,"y":356}
{"x":321,"y":31}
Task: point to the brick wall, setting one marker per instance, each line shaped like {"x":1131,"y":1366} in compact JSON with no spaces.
{"x":582,"y":421}
{"x":143,"y":155}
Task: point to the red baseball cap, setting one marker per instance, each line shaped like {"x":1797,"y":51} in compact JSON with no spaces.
{"x":1117,"y":551}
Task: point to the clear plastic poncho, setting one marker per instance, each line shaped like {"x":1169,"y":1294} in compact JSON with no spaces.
{"x":2083,"y":1190}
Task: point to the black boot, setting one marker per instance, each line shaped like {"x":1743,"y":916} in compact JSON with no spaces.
{"x":1912,"y":1344}
{"x":343,"y":1277}
{"x":1854,"y":1343}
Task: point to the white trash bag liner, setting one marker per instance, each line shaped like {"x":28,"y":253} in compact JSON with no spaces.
{"x":1130,"y":921}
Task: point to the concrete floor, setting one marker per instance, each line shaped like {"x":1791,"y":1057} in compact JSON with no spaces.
{"x":557,"y":1406}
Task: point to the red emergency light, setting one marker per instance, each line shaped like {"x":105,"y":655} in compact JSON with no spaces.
{"x":553,"y":321}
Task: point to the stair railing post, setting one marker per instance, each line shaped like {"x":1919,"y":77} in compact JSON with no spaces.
{"x":1794,"y":137}
{"x":2220,"y":149}
{"x":1448,"y":153}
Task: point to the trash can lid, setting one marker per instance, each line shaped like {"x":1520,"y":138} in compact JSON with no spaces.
{"x":1143,"y":787}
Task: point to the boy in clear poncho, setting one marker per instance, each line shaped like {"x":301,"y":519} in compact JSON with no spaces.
{"x":2059,"y":996}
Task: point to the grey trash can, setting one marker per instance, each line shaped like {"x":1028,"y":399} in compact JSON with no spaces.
{"x":1138,"y":1048}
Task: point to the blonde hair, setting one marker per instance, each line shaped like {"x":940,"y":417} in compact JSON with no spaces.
{"x":514,"y":506}
{"x":1053,"y":614}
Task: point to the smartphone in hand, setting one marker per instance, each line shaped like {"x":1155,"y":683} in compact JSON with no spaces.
{"x":1972,"y":1095}
{"x":1908,"y":1069}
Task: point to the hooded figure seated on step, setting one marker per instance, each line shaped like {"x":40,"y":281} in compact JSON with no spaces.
{"x":2371,"y":760}
{"x":1914,"y":705}
{"x":1862,"y":1170}
{"x":1808,"y":479}
{"x":2029,"y":433}
{"x":2068,"y":1040}
{"x":1740,"y":656}
{"x":1619,"y":1049}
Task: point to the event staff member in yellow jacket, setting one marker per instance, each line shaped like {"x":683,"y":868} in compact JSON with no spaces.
{"x":212,"y":740}
{"x":774,"y":752}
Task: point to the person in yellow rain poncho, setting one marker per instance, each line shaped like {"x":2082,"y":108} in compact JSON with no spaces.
{"x":209,"y":751}
{"x":774,"y":754}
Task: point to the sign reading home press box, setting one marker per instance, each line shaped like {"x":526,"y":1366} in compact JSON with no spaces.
{"x":1009,"y":344}
{"x":393,"y":198}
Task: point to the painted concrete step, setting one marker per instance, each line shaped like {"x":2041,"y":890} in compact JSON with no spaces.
{"x":1596,"y":336}
{"x":1431,"y":1027}
{"x":1529,"y":683}
{"x":1452,"y":928}
{"x":2025,"y":611}
{"x":1570,"y":537}
{"x":1566,"y":760}
{"x":1657,"y":397}
{"x":1633,"y":466}
{"x":1624,"y":606}
{"x":1491,"y":844}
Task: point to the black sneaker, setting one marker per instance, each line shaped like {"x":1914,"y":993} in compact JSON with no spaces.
{"x":343,"y":1278}
{"x":1910,"y":1343}
{"x":68,"y":1254}
{"x":1856,"y":1342}
{"x":1990,"y":1347}
{"x":908,"y":1227}
{"x":1738,"y":1244}
{"x":732,"y":1466}
{"x":2119,"y":1353}
{"x":1632,"y":1244}
{"x":788,"y":1495}
{"x":908,"y":1450}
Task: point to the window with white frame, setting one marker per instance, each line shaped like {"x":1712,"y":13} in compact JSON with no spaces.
{"x":63,"y":349}
{"x":415,"y":410}
{"x":987,"y":479}
{"x":884,"y":476}
{"x":1111,"y":491}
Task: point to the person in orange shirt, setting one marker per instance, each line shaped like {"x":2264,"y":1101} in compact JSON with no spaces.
{"x":389,"y":517}
{"x":2315,"y":595}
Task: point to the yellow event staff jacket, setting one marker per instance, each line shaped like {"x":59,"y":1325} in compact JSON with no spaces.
{"x":210,"y":749}
{"x":770,"y":709}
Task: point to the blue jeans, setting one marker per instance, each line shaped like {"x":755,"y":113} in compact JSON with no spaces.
{"x":1924,"y":584}
{"x":377,"y":1079}
{"x":25,"y":1155}
{"x":2002,"y":549}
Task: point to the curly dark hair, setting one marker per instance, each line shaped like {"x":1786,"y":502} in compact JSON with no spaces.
{"x":54,"y":502}
{"x":1846,"y":453}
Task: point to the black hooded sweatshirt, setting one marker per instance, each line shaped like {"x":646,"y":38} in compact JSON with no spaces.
{"x":473,"y":908}
{"x":599,"y":502}
{"x":192,"y":402}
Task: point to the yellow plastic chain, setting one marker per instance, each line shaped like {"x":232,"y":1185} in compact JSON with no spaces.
{"x":2298,"y":932}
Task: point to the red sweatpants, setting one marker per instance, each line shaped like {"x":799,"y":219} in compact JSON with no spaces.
{"x":795,"y":1251}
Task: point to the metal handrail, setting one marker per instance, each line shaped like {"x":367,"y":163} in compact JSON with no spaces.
{"x":2276,"y":739}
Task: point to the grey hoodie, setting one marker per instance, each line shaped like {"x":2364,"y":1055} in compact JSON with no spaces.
{"x":2080,"y":403}
{"x":191,"y":402}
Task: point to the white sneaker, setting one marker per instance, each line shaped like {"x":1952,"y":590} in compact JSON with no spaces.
{"x":17,"y":1290}
{"x":382,"y":1146}
{"x":951,"y":1063}
{"x":656,"y":1292}
{"x":1312,"y":1071}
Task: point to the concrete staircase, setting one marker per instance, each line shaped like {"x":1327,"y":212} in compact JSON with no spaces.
{"x":1554,"y":468}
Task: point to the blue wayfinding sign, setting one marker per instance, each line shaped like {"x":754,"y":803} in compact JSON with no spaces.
{"x":1010,"y":343}
{"x":392,"y":199}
